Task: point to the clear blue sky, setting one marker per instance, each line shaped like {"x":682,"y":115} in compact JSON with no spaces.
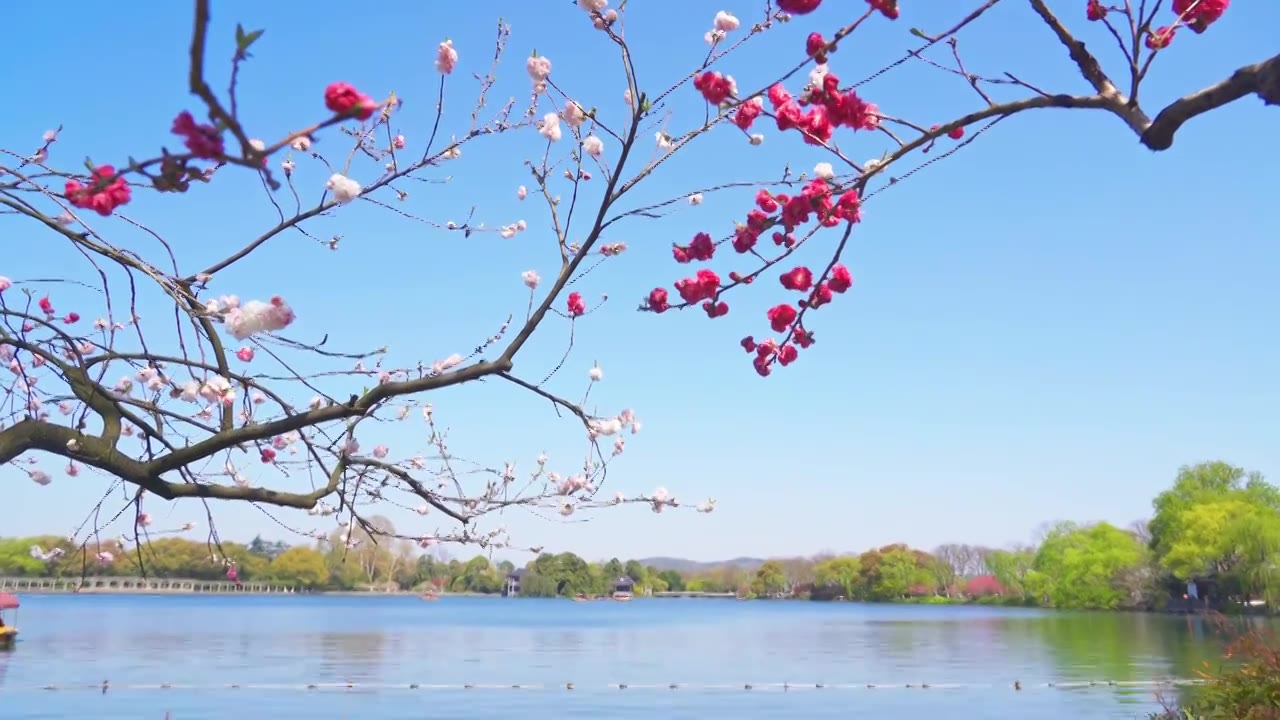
{"x":1043,"y":327}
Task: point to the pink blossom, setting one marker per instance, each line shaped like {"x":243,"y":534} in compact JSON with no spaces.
{"x":257,"y":317}
{"x":573,"y":114}
{"x":446,"y":57}
{"x":539,"y":69}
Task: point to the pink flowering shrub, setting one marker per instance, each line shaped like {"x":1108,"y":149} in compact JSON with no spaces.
{"x":209,"y":402}
{"x":983,"y":586}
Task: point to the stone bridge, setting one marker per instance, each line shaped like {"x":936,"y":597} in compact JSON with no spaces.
{"x":156,"y":585}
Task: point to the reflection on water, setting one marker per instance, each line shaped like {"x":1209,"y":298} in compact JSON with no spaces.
{"x":274,"y":647}
{"x":348,"y":656}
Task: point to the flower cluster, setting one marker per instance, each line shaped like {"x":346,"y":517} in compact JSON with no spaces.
{"x":343,"y":99}
{"x":1200,"y":14}
{"x":784,"y":215}
{"x":248,"y":319}
{"x":1195,"y":14}
{"x":105,"y":192}
{"x":888,"y":8}
{"x":203,"y":140}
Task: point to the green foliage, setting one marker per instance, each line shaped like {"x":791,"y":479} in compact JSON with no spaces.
{"x":300,"y":567}
{"x":770,"y":580}
{"x":1248,"y":688}
{"x":1080,"y":565}
{"x":1221,"y":521}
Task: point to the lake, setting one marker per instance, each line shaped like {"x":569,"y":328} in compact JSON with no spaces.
{"x":274,"y":647}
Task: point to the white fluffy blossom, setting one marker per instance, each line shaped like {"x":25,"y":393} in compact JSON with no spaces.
{"x":344,"y":188}
{"x":551,"y":127}
{"x":256,"y":316}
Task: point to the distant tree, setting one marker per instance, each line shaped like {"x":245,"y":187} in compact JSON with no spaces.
{"x":1082,"y":564}
{"x":838,"y":577}
{"x":675,"y":581}
{"x":984,"y":586}
{"x":301,"y":566}
{"x":770,"y":579}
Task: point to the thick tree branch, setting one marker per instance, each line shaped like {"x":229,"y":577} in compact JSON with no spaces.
{"x":1262,"y":79}
{"x":1092,"y":71}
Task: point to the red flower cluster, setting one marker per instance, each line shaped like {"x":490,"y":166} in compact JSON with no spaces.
{"x":714,"y":86}
{"x":575,"y":304}
{"x":747,"y":113}
{"x":1095,"y":10}
{"x":1160,"y":38}
{"x":204,"y":141}
{"x":829,"y":109}
{"x":702,"y":248}
{"x":816,"y":47}
{"x":816,"y":201}
{"x":1200,"y":14}
{"x":798,"y":7}
{"x":343,"y":99}
{"x":887,"y":8}
{"x":702,"y":286}
{"x":103,"y":195}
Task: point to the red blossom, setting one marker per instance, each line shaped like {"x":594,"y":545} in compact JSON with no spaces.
{"x":887,"y":8}
{"x":575,"y":304}
{"x":746,"y":114}
{"x":1199,"y":15}
{"x":343,"y":99}
{"x":715,"y":87}
{"x":781,"y":317}
{"x":702,"y":286}
{"x":658,"y":300}
{"x":841,"y":279}
{"x":798,"y":278}
{"x":798,"y":7}
{"x":1095,"y":10}
{"x":816,"y":47}
{"x":204,"y":141}
{"x":105,"y":192}
{"x":1160,"y":38}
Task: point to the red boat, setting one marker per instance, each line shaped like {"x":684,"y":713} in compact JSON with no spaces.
{"x":8,"y":633}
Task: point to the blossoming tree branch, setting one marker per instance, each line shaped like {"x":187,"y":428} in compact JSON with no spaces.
{"x":209,"y":403}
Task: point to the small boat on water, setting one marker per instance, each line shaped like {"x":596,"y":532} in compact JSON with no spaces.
{"x":430,"y":595}
{"x":580,"y":597}
{"x":8,"y":633}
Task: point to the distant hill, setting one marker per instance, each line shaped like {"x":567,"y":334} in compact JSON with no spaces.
{"x":682,"y":565}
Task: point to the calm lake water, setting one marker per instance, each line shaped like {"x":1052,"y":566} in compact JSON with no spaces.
{"x":274,"y":647}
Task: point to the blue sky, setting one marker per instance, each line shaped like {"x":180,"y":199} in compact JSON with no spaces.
{"x":1043,"y":327}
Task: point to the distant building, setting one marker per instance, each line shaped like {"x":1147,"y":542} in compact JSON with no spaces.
{"x":623,"y":587}
{"x":512,"y":586}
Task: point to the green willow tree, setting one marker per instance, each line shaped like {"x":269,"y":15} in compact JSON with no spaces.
{"x":1220,"y":520}
{"x":1081,"y":564}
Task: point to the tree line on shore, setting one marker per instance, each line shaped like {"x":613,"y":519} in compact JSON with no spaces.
{"x":1217,"y":524}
